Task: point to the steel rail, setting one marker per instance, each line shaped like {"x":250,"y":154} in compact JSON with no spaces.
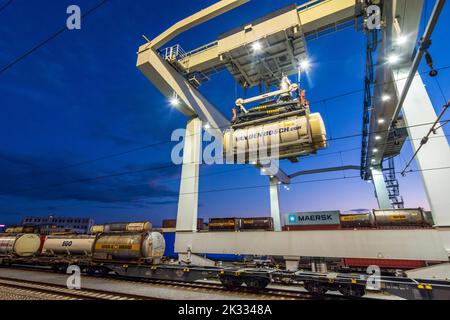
{"x":61,"y":290}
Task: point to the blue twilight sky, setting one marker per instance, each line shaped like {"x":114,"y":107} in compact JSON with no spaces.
{"x":80,"y":97}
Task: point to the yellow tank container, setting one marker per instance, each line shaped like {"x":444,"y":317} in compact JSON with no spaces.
{"x":290,"y":137}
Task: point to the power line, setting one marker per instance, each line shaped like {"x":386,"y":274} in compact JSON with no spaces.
{"x":161,"y":142}
{"x":425,"y":139}
{"x":47,"y":40}
{"x":129,"y":172}
{"x":113,"y":155}
{"x":222,"y":172}
{"x":7,"y":3}
{"x":381,"y":84}
{"x":165,"y":142}
{"x":163,"y":180}
{"x":300,"y":182}
{"x":174,"y":179}
{"x":265,"y":186}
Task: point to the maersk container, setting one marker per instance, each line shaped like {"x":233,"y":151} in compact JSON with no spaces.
{"x":315,"y":218}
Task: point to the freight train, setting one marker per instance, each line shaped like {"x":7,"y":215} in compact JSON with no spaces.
{"x":329,"y":220}
{"x":335,"y":220}
{"x":388,"y":218}
{"x":240,"y":224}
{"x":121,"y":243}
{"x":375,"y":219}
{"x":132,"y":250}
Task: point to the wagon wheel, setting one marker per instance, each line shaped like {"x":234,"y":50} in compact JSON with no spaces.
{"x":257,"y":283}
{"x":352,"y":291}
{"x":315,"y":289}
{"x":230,"y":282}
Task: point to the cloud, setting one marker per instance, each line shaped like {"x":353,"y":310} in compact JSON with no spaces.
{"x":101,"y":132}
{"x":28,"y":177}
{"x":10,"y":213}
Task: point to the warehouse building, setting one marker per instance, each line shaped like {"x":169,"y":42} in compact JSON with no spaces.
{"x":52,"y":224}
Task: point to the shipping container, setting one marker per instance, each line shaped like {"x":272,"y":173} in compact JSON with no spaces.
{"x":169,"y":252}
{"x":172,"y":224}
{"x":122,"y":227}
{"x":311,"y":228}
{"x":68,"y":245}
{"x":316,"y":218}
{"x":169,"y":223}
{"x":401,"y":218}
{"x":129,"y":246}
{"x":384,"y":263}
{"x":22,"y":245}
{"x":259,"y":223}
{"x":358,"y":220}
{"x":224,"y":224}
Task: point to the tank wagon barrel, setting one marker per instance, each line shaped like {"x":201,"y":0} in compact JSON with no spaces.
{"x":359,"y":220}
{"x":131,"y":246}
{"x":296,"y":135}
{"x":122,"y":227}
{"x":241,"y":224}
{"x":68,"y":245}
{"x":401,"y":218}
{"x":394,"y":218}
{"x":21,"y":245}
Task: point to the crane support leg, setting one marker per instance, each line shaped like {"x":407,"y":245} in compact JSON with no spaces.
{"x":380,"y":189}
{"x":188,"y":197}
{"x":434,"y":155}
{"x":275,"y":204}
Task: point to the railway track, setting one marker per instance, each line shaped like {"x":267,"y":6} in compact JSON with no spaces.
{"x":60,"y":292}
{"x":268,"y":293}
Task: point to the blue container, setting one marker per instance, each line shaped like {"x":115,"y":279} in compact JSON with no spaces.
{"x":170,"y":250}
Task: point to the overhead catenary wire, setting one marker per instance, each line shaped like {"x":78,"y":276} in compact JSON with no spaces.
{"x":130,"y":172}
{"x":145,"y":147}
{"x":440,"y":89}
{"x":424,"y":44}
{"x":6,"y":4}
{"x":221,"y":172}
{"x":113,"y":155}
{"x":425,"y":139}
{"x":50,"y":38}
{"x":227,"y":171}
{"x":265,"y":186}
{"x":301,"y":182}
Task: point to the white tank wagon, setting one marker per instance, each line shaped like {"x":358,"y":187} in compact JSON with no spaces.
{"x":120,"y":227}
{"x":294,"y":136}
{"x":21,"y":245}
{"x":130,"y":246}
{"x":68,"y":245}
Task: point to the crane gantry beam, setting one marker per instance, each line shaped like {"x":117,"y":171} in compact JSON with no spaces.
{"x":282,"y":34}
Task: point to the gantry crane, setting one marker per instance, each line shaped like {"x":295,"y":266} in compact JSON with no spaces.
{"x":282,"y":37}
